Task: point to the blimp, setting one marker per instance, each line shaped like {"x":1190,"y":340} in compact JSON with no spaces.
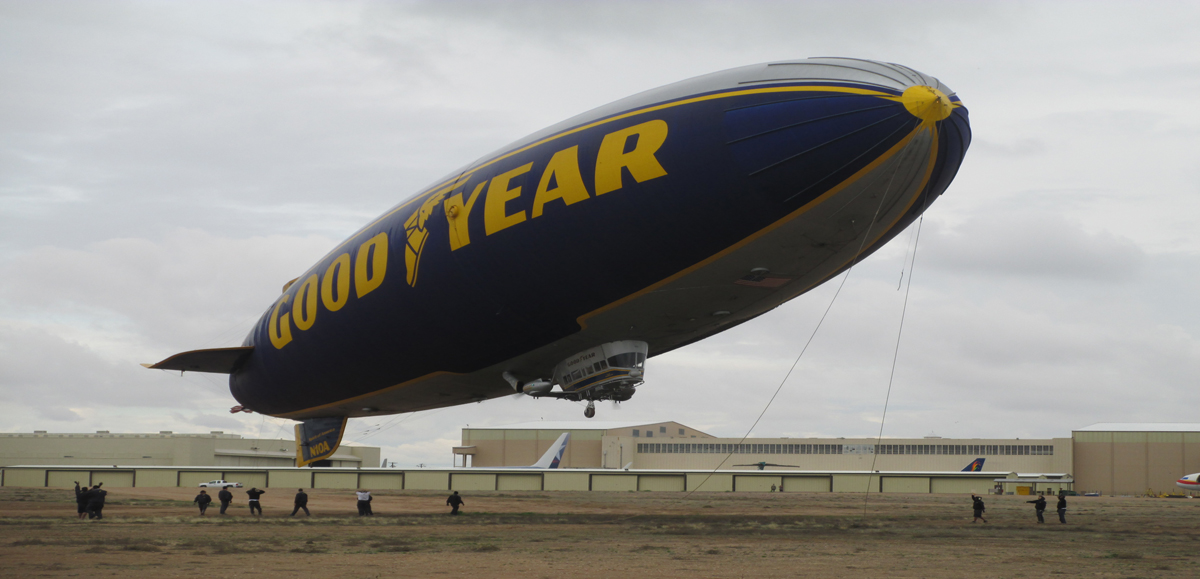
{"x":557,"y":265}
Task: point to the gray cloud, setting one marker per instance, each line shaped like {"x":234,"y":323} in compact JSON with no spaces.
{"x":1038,"y":245}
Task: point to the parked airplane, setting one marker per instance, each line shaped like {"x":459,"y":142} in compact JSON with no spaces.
{"x":764,"y":465}
{"x":975,"y":466}
{"x":571,"y":256}
{"x":1190,"y":482}
{"x":554,"y":454}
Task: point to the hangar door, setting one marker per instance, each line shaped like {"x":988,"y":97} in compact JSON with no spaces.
{"x":473,"y":482}
{"x":67,"y":478}
{"x":961,"y":485}
{"x":518,"y":482}
{"x":654,"y":482}
{"x":614,"y":482}
{"x":755,"y":483}
{"x":806,"y":484}
{"x":371,"y":480}
{"x":248,"y":479}
{"x":194,"y":478}
{"x":905,"y":484}
{"x":113,"y":478}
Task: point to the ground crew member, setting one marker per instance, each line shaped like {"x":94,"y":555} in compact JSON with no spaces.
{"x":301,"y":503}
{"x":95,"y":502}
{"x":1062,"y":508}
{"x":254,"y":493}
{"x":80,"y":500}
{"x":364,"y":503}
{"x":202,"y":501}
{"x":226,"y":497}
{"x":977,"y":506}
{"x":1040,"y":506}
{"x":454,"y":501}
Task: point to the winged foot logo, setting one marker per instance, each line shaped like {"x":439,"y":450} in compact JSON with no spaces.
{"x":630,"y":150}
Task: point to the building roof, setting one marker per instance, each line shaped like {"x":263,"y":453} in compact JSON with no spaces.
{"x":1141,"y":427}
{"x":568,"y":425}
{"x":107,"y":434}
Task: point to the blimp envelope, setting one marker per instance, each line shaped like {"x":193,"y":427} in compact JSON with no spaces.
{"x":570,"y":256}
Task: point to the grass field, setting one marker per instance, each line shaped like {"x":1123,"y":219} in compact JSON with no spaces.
{"x":157,"y":533}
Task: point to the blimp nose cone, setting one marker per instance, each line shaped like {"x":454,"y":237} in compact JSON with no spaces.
{"x":927,"y":103}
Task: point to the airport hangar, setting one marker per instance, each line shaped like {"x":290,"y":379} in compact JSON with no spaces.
{"x":1109,"y":458}
{"x":164,"y":449}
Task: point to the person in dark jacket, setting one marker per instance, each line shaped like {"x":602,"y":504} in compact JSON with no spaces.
{"x":202,"y":501}
{"x":301,"y":503}
{"x":254,"y":493}
{"x":1040,"y":507}
{"x":225,"y":497}
{"x":977,"y":506}
{"x":454,"y":501}
{"x":1062,"y":508}
{"x":95,"y":502}
{"x":80,"y":500}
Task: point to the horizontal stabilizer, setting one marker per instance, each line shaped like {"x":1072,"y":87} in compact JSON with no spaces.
{"x":214,"y":360}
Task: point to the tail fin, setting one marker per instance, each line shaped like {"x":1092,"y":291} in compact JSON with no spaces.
{"x":975,"y":466}
{"x":554,"y":455}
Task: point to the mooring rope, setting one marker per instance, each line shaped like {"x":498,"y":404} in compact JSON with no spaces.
{"x":895,"y":356}
{"x":813,"y":335}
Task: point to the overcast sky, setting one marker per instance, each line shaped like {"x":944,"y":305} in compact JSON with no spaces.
{"x":166,"y":166}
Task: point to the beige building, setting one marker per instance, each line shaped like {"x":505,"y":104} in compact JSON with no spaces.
{"x":484,"y":479}
{"x":164,"y":449}
{"x":590,"y":446}
{"x":674,"y":446}
{"x":1132,"y":459}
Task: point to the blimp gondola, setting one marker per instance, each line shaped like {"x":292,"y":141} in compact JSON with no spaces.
{"x":556,"y":266}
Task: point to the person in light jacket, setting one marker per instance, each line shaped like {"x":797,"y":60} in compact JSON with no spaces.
{"x":364,"y":502}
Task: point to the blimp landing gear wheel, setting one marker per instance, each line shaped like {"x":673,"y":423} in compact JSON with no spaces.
{"x":590,"y":411}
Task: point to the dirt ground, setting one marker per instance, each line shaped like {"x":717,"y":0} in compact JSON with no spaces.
{"x":150,"y":532}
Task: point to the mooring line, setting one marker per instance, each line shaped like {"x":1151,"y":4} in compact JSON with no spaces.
{"x":892,"y":376}
{"x":850,"y":268}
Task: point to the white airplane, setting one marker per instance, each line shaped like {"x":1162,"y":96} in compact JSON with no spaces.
{"x":1190,"y":482}
{"x":554,"y":454}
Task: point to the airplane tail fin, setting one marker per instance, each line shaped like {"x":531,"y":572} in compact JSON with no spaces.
{"x":554,"y":455}
{"x":975,"y":466}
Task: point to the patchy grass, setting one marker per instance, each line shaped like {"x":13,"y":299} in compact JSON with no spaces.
{"x":1124,"y":555}
{"x":523,"y":536}
{"x":650,"y":548}
{"x":144,"y":548}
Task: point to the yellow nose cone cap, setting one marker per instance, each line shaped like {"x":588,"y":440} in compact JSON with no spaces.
{"x":927,"y":103}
